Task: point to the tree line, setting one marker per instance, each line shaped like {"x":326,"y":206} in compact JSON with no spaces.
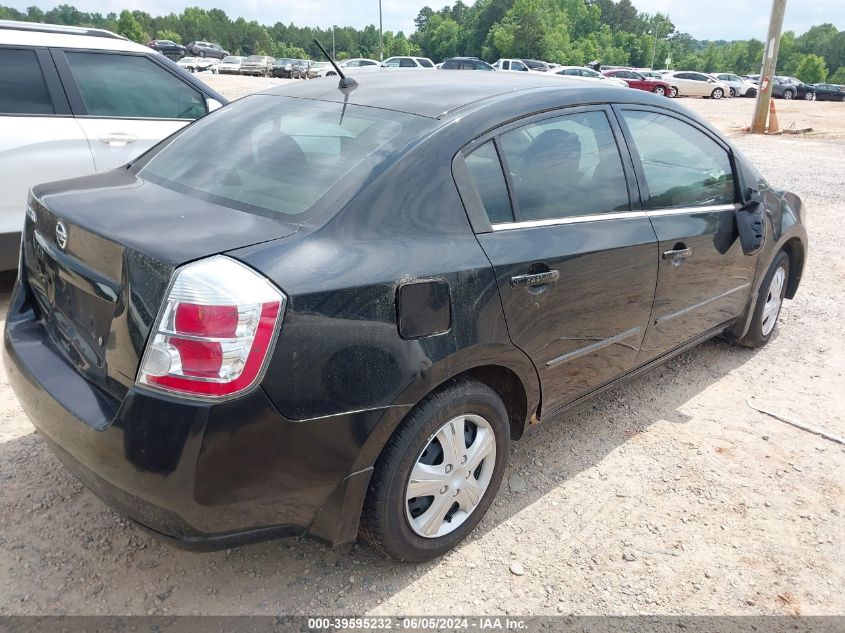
{"x":572,"y":32}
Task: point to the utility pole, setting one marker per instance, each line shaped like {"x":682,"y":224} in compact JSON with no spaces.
{"x":334,"y":55}
{"x":380,"y":35}
{"x":654,"y":40}
{"x":767,"y":74}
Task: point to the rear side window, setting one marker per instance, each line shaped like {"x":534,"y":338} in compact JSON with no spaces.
{"x":683,"y":167}
{"x":279,"y":156}
{"x":407,"y":63}
{"x":568,"y":166}
{"x":22,"y":86}
{"x":424,"y":62}
{"x":486,"y":170}
{"x":132,"y":86}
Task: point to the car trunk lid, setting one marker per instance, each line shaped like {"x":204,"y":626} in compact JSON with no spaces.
{"x":98,"y":277}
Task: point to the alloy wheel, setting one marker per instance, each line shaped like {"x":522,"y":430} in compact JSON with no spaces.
{"x":673,"y":92}
{"x":660,"y":91}
{"x":788,"y":95}
{"x":450,"y":476}
{"x":718,"y":93}
{"x":774,"y":300}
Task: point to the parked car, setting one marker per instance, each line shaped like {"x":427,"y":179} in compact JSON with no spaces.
{"x":168,"y":48}
{"x":258,"y":65}
{"x":650,"y":74}
{"x":254,"y":354}
{"x":536,"y":65}
{"x":76,"y":100}
{"x":206,"y":49}
{"x":320,"y":69}
{"x":792,"y":88}
{"x":737,"y":86}
{"x":637,"y":81}
{"x":511,"y":65}
{"x":407,"y":63}
{"x":695,"y":84}
{"x":188,"y":63}
{"x":465,"y":63}
{"x":588,"y":73}
{"x":231,"y":65}
{"x":358,"y":64}
{"x":828,"y":92}
{"x":300,"y":68}
{"x":282,"y":68}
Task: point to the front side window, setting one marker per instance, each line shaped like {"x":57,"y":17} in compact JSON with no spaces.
{"x":132,"y":86}
{"x":568,"y":166}
{"x":22,"y":86}
{"x":405,"y":62}
{"x":486,"y":170}
{"x":518,"y":66}
{"x":683,"y":167}
{"x":269,"y":142}
{"x":392,"y":63}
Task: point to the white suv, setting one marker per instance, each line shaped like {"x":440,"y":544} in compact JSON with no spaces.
{"x":74,"y":101}
{"x":407,"y":63}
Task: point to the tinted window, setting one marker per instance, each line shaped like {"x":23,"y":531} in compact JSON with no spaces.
{"x":407,"y":63}
{"x":22,"y":87}
{"x":506,"y":65}
{"x":425,"y":63}
{"x":269,"y":143}
{"x":130,"y":86}
{"x":683,"y":167}
{"x":564,"y":167}
{"x":486,"y":171}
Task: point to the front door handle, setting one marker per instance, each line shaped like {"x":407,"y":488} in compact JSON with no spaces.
{"x":118,"y":139}
{"x":678,"y":255}
{"x":536,"y":279}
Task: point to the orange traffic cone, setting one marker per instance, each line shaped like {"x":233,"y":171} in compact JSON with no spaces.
{"x":774,"y":126}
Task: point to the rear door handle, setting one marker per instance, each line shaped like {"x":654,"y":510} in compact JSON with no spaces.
{"x":678,"y":255}
{"x":118,"y":139}
{"x":536,"y":279}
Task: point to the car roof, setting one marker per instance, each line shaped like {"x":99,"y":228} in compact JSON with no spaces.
{"x":37,"y":34}
{"x":435,"y":96}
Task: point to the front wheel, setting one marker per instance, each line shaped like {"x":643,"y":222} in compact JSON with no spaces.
{"x":788,"y":95}
{"x":751,"y":92}
{"x":202,"y":53}
{"x":438,"y":473}
{"x":769,"y":303}
{"x":673,"y":92}
{"x":733,"y":92}
{"x":660,"y":90}
{"x":809,"y":96}
{"x":718,"y":93}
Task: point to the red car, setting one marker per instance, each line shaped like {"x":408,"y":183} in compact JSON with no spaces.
{"x":638,"y":81}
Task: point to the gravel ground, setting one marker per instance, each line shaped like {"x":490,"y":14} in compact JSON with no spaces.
{"x":668,"y":495}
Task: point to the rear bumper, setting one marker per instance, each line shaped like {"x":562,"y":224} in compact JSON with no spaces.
{"x":203,"y":476}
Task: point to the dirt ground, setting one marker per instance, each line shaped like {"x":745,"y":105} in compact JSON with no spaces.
{"x":668,"y":495}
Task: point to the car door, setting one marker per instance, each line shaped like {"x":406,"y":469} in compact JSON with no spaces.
{"x":39,"y":139}
{"x":575,"y":259}
{"x":125,"y":103}
{"x":689,"y":188}
{"x":685,"y":84}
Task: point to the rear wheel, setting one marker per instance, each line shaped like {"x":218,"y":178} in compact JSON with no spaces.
{"x":733,"y":92}
{"x":202,"y":53}
{"x":769,"y":303}
{"x":660,"y":90}
{"x":809,"y":96}
{"x":438,"y":474}
{"x":788,"y":95}
{"x":673,"y":92}
{"x":751,"y":92}
{"x":718,"y":93}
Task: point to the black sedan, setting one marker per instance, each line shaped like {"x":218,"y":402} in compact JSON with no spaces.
{"x":792,"y":88}
{"x":828,"y":92}
{"x":168,"y":48}
{"x":227,"y":352}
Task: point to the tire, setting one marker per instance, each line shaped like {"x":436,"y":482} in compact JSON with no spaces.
{"x":718,"y":93}
{"x":788,"y":95}
{"x":400,"y":526}
{"x":733,"y":92}
{"x":660,"y":90}
{"x":769,"y":302}
{"x":673,"y":92}
{"x":202,"y":53}
{"x":751,"y":92}
{"x":809,"y":96}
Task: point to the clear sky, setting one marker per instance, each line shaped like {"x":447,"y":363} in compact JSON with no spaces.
{"x":703,"y":19}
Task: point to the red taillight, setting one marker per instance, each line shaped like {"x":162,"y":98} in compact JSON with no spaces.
{"x":215,"y":330}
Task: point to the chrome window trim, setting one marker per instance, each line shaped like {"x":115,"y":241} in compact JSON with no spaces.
{"x":576,"y":219}
{"x":700,"y":304}
{"x":594,"y":347}
{"x":686,"y":210}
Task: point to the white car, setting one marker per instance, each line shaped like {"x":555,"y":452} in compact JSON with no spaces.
{"x":695,"y":84}
{"x":407,"y":63}
{"x":736,"y":84}
{"x":512,"y":66}
{"x":587,"y":73}
{"x":358,"y":64}
{"x":231,"y":65}
{"x":74,"y":101}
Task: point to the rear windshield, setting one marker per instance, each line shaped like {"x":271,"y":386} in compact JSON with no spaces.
{"x":278,"y":155}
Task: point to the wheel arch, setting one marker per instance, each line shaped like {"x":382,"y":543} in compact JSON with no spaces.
{"x":796,"y":251}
